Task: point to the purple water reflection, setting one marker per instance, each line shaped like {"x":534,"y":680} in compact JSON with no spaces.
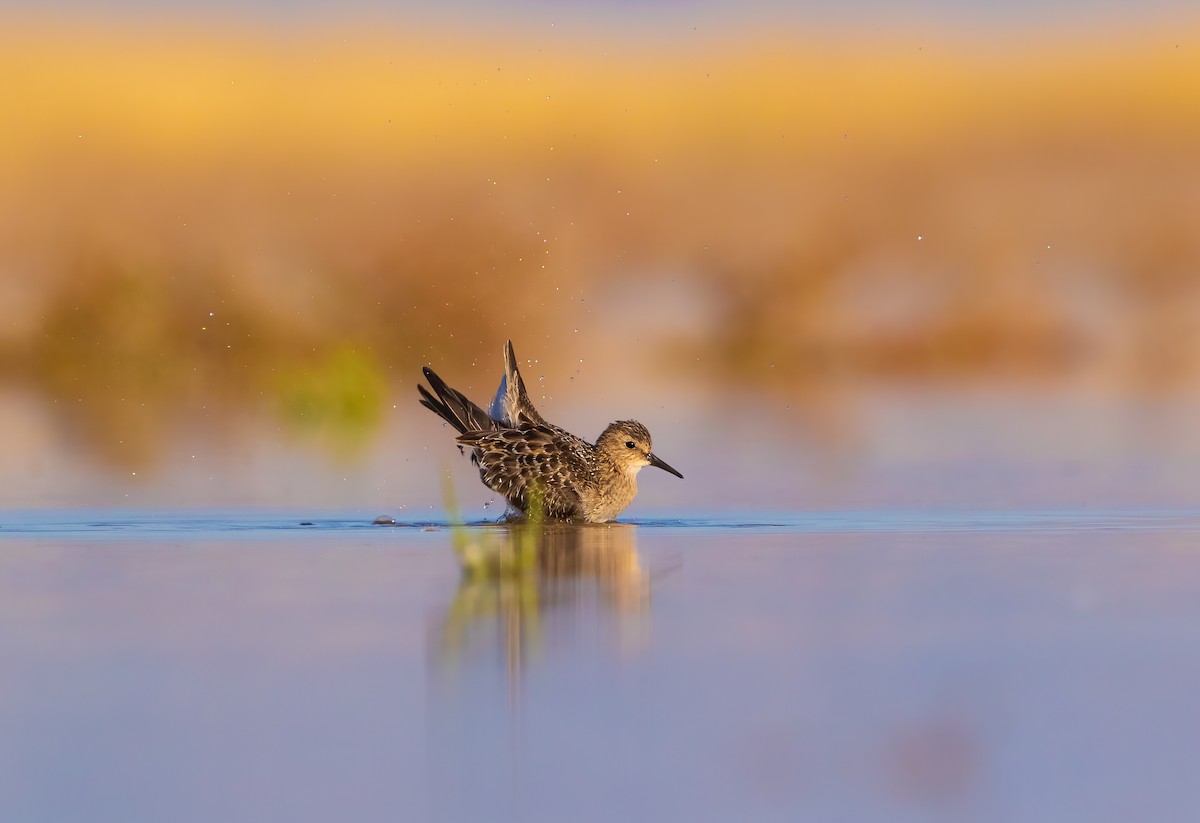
{"x":1028,"y":667}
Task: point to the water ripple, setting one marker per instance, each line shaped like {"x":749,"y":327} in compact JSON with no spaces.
{"x":244,"y":523}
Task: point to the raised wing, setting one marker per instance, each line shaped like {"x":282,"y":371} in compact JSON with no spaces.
{"x":511,"y":406}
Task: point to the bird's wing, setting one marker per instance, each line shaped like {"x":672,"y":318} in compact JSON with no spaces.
{"x":511,"y":406}
{"x":532,"y":461}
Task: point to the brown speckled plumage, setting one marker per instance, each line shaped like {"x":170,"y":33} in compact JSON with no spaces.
{"x":523,"y":457}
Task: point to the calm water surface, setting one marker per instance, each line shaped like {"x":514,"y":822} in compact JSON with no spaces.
{"x":849,"y":665}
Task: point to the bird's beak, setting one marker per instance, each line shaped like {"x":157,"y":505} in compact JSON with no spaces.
{"x":654,"y":461}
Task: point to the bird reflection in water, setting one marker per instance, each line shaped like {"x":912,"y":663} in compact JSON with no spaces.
{"x":523,"y":583}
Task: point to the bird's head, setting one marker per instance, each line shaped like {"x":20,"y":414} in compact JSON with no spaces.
{"x":626,"y":443}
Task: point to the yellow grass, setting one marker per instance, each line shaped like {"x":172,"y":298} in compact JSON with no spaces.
{"x":875,"y":207}
{"x":357,"y":99}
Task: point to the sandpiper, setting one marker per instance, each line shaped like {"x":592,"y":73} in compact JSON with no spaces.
{"x":534,"y":463}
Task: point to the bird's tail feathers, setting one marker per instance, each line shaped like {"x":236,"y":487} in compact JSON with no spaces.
{"x":453,"y":406}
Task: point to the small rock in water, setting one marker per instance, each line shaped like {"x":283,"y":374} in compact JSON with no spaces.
{"x":305,"y":522}
{"x":383,"y":520}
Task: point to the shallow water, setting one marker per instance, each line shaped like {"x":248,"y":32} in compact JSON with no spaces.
{"x":850,"y":665}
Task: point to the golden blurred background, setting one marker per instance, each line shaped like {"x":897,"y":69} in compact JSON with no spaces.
{"x":222,"y":231}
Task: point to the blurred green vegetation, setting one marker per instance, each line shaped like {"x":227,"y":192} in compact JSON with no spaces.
{"x":341,"y":393}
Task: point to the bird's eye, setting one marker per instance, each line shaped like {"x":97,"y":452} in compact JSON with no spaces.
{"x":629,"y":444}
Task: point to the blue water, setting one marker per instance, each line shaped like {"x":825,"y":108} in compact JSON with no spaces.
{"x":887,"y":665}
{"x":242,"y":524}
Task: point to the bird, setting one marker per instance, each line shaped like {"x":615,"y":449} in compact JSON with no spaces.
{"x":540,"y":467}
